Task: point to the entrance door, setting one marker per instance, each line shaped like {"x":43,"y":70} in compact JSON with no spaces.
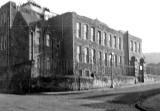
{"x":141,"y":70}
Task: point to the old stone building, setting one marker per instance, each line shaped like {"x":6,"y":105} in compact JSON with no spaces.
{"x":89,"y":43}
{"x":25,"y":36}
{"x":75,"y":51}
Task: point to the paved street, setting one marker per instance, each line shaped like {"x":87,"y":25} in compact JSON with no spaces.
{"x":117,"y":99}
{"x":152,"y":103}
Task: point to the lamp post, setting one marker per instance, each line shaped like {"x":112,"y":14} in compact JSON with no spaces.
{"x":111,"y":60}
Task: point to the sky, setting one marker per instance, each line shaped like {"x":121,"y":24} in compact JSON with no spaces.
{"x":140,"y":17}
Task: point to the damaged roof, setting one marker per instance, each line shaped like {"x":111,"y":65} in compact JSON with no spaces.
{"x":30,"y":16}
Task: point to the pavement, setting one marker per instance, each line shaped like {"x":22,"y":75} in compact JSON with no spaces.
{"x":102,"y":89}
{"x":152,"y":103}
{"x":140,"y":104}
{"x":106,"y":99}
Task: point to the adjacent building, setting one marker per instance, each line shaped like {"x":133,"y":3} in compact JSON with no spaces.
{"x":25,"y":33}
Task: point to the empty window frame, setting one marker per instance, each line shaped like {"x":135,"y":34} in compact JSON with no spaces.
{"x":119,"y":42}
{"x":47,"y":40}
{"x":92,"y":56}
{"x":37,"y":37}
{"x":4,"y":43}
{"x":38,"y":62}
{"x":85,"y":33}
{"x":135,"y":44}
{"x":79,"y":54}
{"x":31,"y":45}
{"x":110,"y":40}
{"x":115,"y":42}
{"x":99,"y":38}
{"x":100,"y":57}
{"x":139,"y":47}
{"x":106,"y":59}
{"x":48,"y":65}
{"x":80,"y":72}
{"x":86,"y":55}
{"x":87,"y":73}
{"x":110,"y":59}
{"x":92,"y":34}
{"x":105,"y":39}
{"x":120,"y":60}
{"x":116,"y":62}
{"x":78,"y":30}
{"x":131,"y":45}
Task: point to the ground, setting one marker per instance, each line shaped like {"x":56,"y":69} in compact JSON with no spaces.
{"x":117,"y":99}
{"x":152,"y":103}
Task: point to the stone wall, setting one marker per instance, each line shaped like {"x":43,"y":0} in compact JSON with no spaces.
{"x":99,"y":65}
{"x":151,"y":78}
{"x":15,"y":78}
{"x":7,"y":15}
{"x":84,"y":83}
{"x":19,"y":41}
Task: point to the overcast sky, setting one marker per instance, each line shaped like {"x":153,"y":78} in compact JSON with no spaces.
{"x":140,"y":17}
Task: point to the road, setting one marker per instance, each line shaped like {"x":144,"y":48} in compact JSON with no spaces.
{"x":152,"y":103}
{"x":117,"y":99}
